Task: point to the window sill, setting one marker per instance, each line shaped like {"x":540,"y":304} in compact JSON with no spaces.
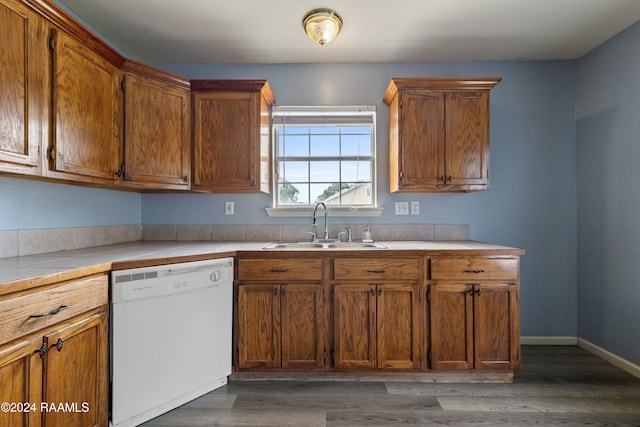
{"x":334,"y":211}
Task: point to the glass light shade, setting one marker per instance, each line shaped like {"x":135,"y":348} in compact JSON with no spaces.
{"x":322,"y":25}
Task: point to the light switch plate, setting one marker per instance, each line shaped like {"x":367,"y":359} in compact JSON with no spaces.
{"x":229,"y":208}
{"x":415,"y":207}
{"x":402,"y":208}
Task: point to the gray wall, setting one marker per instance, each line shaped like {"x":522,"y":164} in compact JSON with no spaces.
{"x":608,"y":151}
{"x":531,"y":203}
{"x":26,"y":204}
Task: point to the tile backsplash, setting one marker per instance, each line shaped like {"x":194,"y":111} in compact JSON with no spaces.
{"x":298,"y":232}
{"x":30,"y":242}
{"x":37,"y":241}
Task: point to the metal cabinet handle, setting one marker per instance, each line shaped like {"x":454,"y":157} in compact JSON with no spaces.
{"x":42,"y":351}
{"x":58,"y":344}
{"x":50,"y":313}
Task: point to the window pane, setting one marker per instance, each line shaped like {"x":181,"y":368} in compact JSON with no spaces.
{"x":328,"y":171}
{"x":356,"y":145}
{"x":356,"y":171}
{"x":293,"y":171}
{"x":320,"y":191}
{"x":324,"y":154}
{"x":294,"y":145}
{"x":325,"y":145}
{"x":357,"y":194}
{"x":291,"y":194}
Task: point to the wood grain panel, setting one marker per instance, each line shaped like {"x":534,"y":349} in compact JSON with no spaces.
{"x":354,"y":314}
{"x":467,"y":130}
{"x":302,"y":326}
{"x":85,"y":111}
{"x":77,"y":371}
{"x":156,"y":133}
{"x":259,"y":326}
{"x":280,"y":269}
{"x":21,"y":373}
{"x":496,"y":334}
{"x":77,"y":296}
{"x":451,"y":322}
{"x":398,"y":309}
{"x":22,"y":105}
{"x":472,"y":269}
{"x":376,"y":269}
{"x":423,"y":138}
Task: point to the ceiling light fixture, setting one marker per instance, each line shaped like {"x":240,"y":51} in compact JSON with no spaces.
{"x":322,"y":25}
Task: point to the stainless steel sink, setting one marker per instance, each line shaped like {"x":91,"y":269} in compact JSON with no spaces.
{"x":319,"y":245}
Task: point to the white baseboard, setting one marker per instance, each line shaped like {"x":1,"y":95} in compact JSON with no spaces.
{"x":549,"y":340}
{"x":614,"y":359}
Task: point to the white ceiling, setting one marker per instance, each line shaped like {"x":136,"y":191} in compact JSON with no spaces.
{"x":261,"y":31}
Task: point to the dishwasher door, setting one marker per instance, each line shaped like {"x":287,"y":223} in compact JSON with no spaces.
{"x":171,"y":337}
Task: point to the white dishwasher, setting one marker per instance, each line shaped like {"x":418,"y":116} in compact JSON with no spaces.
{"x":170,"y":336}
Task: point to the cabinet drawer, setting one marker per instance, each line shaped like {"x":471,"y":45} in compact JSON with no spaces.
{"x":279,"y":269}
{"x":24,"y":314}
{"x":376,"y":269}
{"x":475,"y":268}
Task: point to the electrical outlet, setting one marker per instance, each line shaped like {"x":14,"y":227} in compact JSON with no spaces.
{"x":402,"y":208}
{"x":415,"y":207}
{"x":228,"y":208}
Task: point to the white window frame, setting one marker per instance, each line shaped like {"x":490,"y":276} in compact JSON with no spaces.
{"x":310,"y":115}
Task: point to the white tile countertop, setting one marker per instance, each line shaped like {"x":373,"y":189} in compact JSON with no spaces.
{"x":63,"y":265}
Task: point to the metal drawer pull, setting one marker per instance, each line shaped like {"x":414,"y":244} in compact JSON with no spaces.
{"x":42,"y":351}
{"x":279,"y":270}
{"x":376,"y":271}
{"x":50,"y":313}
{"x":474,"y":271}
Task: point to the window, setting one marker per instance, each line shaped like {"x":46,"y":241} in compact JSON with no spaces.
{"x":324,"y":154}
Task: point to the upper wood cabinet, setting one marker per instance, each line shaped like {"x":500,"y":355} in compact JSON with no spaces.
{"x":231,"y":135}
{"x":157,"y":130}
{"x":85,"y":111}
{"x":22,"y":79}
{"x":439,"y":134}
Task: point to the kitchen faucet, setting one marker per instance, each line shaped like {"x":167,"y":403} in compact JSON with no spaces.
{"x":315,"y":219}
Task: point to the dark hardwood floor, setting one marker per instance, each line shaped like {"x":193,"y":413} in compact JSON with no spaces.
{"x":558,"y":385}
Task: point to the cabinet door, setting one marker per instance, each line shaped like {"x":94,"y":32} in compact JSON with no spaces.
{"x":467,"y":138}
{"x":21,"y":379}
{"x":451,"y":335}
{"x":398,"y":309}
{"x":156,"y":133}
{"x":23,"y":108}
{"x":354,"y":327}
{"x":258,"y":326}
{"x":77,"y":373}
{"x":302,"y":326}
{"x":85,"y":141}
{"x":226,"y":141}
{"x":496,"y":327}
{"x":421,"y":136}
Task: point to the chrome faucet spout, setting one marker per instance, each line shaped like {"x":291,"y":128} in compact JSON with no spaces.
{"x":315,"y":219}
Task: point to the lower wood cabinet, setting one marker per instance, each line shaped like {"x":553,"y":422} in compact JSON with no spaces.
{"x":376,"y":326}
{"x":64,"y":363}
{"x":363,"y":313}
{"x":474,"y":325}
{"x":280,"y":326}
